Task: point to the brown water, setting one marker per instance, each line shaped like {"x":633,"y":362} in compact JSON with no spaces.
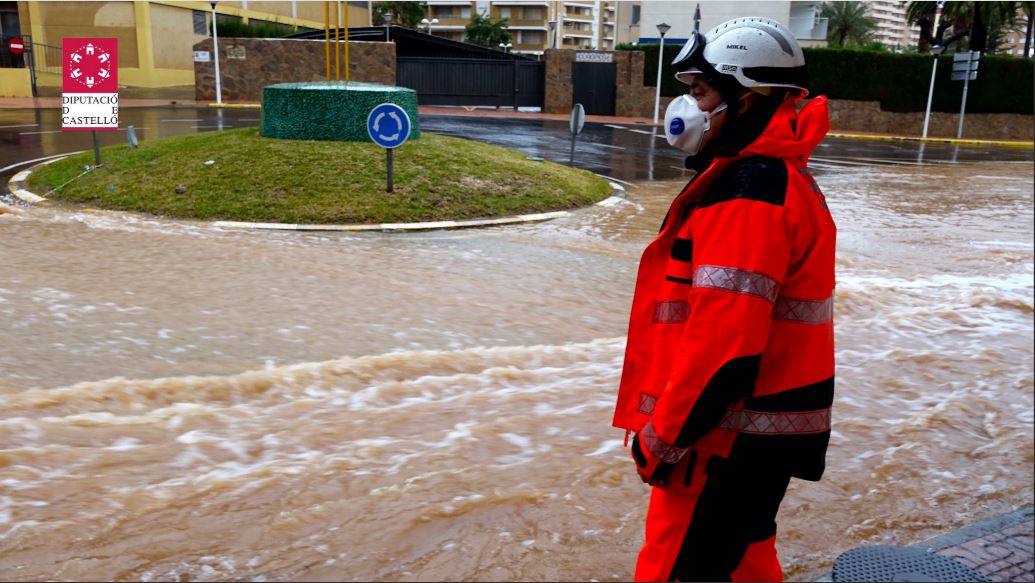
{"x":437,"y":405}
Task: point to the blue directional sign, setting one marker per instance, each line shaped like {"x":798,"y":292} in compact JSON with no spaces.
{"x":388,"y":125}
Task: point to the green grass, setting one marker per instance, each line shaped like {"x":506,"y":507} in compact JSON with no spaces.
{"x":267,"y":180}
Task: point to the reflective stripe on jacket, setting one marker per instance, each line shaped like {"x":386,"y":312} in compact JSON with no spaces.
{"x":731,"y":326}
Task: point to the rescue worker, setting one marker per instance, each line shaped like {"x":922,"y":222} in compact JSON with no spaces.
{"x":729,"y":368}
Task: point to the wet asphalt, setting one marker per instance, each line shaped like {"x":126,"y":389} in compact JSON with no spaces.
{"x":627,"y":152}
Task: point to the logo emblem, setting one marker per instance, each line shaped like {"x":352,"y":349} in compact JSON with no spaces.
{"x":89,"y":65}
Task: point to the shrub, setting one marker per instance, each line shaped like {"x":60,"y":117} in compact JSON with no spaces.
{"x":899,"y":81}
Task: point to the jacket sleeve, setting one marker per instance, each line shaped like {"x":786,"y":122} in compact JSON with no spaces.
{"x":741,"y":252}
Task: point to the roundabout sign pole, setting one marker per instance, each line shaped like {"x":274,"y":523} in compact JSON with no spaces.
{"x":389,"y":127}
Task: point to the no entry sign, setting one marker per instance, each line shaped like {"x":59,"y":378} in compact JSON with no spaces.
{"x":15,"y":45}
{"x":89,"y":84}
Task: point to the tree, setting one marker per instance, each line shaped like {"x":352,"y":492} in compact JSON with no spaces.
{"x":848,"y":23}
{"x":408,"y":14}
{"x":1028,"y":7}
{"x":956,"y":17}
{"x":486,"y":32}
{"x":982,"y":23}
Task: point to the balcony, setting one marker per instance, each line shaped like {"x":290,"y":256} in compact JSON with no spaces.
{"x":809,"y":28}
{"x":498,"y":3}
{"x":539,"y":24}
{"x":589,"y":5}
{"x":578,"y":17}
{"x":449,"y":3}
{"x":448,"y":23}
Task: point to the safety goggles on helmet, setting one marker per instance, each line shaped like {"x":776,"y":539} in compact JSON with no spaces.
{"x":690,"y":61}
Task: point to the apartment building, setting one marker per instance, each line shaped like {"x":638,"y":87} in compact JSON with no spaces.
{"x":534,"y":26}
{"x":802,"y":17}
{"x":893,"y":29}
{"x":1014,"y":38}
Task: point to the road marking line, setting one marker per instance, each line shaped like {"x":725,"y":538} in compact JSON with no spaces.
{"x":26,"y":125}
{"x":12,"y":166}
{"x":639,"y":131}
{"x":37,"y":133}
{"x":615,"y":127}
{"x":607,"y":146}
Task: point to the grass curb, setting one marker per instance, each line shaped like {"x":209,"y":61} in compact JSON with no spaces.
{"x":18,"y":183}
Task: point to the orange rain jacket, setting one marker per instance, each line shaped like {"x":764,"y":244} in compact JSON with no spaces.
{"x":731,"y":326}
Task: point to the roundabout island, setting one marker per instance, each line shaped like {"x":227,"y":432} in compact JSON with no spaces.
{"x":239,"y":175}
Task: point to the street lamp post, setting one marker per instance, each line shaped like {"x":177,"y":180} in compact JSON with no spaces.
{"x":427,"y":24}
{"x":215,"y":51}
{"x":553,"y":25}
{"x":662,"y":29}
{"x":506,"y":47}
{"x":934,"y":66}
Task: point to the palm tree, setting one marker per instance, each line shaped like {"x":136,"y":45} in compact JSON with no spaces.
{"x":956,"y":16}
{"x":983,"y":22}
{"x":848,"y":23}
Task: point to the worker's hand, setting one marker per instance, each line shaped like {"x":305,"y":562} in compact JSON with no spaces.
{"x":652,"y":470}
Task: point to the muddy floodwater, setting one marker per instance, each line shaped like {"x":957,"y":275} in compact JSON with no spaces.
{"x":187,"y":403}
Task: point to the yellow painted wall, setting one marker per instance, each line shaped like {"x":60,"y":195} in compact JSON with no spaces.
{"x":166,"y":29}
{"x":170,"y":26}
{"x":15,"y":83}
{"x":77,"y":19}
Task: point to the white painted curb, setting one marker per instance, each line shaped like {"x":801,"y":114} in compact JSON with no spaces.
{"x":19,"y":180}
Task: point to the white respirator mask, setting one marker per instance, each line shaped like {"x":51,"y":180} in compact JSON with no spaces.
{"x":686,"y":125}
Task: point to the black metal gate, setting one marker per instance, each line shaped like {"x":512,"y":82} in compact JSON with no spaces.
{"x":452,"y":81}
{"x":593,"y":85}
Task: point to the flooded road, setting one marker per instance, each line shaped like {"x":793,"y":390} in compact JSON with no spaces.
{"x":182,"y":402}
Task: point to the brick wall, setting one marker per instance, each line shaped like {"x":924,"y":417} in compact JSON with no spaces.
{"x":246,"y":65}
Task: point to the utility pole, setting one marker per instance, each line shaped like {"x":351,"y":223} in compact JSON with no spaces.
{"x":662,"y":29}
{"x":934,"y":66}
{"x":215,"y":52}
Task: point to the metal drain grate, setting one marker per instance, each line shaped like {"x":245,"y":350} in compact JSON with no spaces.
{"x":889,"y":563}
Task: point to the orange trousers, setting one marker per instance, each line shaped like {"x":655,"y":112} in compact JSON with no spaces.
{"x":714,"y":521}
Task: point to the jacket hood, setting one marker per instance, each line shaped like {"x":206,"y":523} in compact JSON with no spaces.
{"x":792,"y":134}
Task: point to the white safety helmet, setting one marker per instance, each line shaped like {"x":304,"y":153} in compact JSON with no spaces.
{"x":757,"y":52}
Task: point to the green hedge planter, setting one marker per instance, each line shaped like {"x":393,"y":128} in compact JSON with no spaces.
{"x":329,"y":111}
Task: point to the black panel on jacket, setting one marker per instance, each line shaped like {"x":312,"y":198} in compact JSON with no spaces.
{"x":802,"y":456}
{"x":683,"y":250}
{"x":755,"y":178}
{"x":731,"y":383}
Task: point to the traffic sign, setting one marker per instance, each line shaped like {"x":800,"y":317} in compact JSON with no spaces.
{"x":577,"y":119}
{"x":965,"y":65}
{"x":388,"y":125}
{"x":15,"y":45}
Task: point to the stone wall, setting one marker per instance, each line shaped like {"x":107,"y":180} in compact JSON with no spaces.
{"x":867,"y":116}
{"x":633,"y":99}
{"x":246,"y":65}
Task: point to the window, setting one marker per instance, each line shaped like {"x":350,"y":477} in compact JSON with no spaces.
{"x":531,"y":37}
{"x":635,"y":19}
{"x":465,"y":12}
{"x":533,"y":13}
{"x":505,"y":12}
{"x":200,"y":23}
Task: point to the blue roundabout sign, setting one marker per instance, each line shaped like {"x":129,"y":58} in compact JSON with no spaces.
{"x":388,"y":125}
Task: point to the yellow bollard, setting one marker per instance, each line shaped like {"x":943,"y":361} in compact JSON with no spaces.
{"x":346,"y":14}
{"x":337,"y":46}
{"x":327,"y":36}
